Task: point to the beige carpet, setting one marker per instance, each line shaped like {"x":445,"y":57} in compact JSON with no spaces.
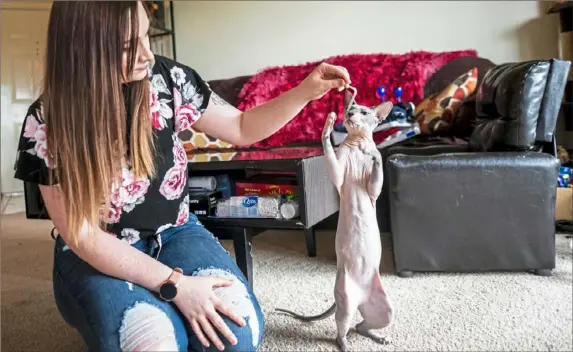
{"x":478,"y":312}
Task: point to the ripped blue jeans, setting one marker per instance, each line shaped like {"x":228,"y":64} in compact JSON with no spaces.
{"x":115,"y":315}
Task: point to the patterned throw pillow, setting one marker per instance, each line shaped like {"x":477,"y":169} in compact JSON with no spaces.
{"x":193,"y":139}
{"x":200,"y":146}
{"x":199,"y":143}
{"x":435,"y":114}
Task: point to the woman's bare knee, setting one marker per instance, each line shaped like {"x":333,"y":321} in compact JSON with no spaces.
{"x":238,"y":298}
{"x":146,"y":328}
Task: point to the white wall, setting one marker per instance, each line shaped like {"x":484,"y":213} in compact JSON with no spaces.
{"x":221,"y":39}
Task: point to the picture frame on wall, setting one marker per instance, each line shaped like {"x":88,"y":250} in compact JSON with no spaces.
{"x":162,"y":31}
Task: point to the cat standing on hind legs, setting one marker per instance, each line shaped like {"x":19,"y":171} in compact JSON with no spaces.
{"x":356,"y":171}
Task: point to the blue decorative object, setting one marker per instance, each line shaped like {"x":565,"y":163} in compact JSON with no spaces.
{"x":381,"y":93}
{"x":398,"y":94}
{"x":565,"y":176}
{"x":339,"y":127}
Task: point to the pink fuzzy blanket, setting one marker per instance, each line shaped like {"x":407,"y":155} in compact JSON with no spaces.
{"x":367,"y":72}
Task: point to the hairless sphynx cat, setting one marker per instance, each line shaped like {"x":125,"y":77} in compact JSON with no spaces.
{"x":356,"y":171}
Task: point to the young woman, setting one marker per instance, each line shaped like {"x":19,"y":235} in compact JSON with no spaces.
{"x":133,"y":269}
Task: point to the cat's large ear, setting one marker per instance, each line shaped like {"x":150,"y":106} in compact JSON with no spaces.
{"x":347,"y":98}
{"x":383,"y":110}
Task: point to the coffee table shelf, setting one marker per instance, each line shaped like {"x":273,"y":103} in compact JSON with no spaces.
{"x":316,"y":195}
{"x":294,"y":224}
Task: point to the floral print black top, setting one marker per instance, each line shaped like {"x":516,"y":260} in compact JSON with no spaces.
{"x":140,"y":207}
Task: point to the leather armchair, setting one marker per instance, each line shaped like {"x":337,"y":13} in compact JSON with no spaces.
{"x":488,"y":205}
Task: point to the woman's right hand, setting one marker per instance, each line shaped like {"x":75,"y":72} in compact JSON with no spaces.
{"x":197,"y":301}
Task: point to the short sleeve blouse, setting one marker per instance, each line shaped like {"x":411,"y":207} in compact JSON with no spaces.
{"x":141,"y":207}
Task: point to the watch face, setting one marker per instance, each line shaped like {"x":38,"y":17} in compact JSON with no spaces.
{"x":168,"y":291}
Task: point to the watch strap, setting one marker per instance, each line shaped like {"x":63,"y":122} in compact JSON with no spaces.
{"x":176,"y":275}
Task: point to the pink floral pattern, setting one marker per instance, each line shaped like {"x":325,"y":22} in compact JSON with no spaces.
{"x":31,"y":126}
{"x":179,"y":154}
{"x":112,"y":215}
{"x":126,"y":193}
{"x":157,"y":120}
{"x":183,"y":215}
{"x":36,"y":132}
{"x":174,"y":182}
{"x":186,"y":114}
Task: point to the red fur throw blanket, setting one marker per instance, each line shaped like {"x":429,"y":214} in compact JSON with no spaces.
{"x":409,"y":71}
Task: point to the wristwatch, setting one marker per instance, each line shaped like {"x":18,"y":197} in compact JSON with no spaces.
{"x":168,"y":289}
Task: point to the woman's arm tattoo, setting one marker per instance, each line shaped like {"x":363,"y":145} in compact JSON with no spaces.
{"x":217,"y":100}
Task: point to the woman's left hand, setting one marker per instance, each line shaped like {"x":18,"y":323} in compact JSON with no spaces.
{"x":322,"y":79}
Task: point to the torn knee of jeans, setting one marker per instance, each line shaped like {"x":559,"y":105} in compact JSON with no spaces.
{"x":237,"y":297}
{"x":146,"y":328}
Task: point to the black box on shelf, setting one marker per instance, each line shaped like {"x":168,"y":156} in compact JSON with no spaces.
{"x":204,"y":203}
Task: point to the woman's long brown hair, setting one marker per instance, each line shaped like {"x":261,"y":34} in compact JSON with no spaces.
{"x":91,"y":131}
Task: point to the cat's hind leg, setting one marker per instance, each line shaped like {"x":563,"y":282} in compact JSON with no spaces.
{"x":365,"y":329}
{"x":343,"y":321}
{"x":346,"y":294}
{"x":376,"y":311}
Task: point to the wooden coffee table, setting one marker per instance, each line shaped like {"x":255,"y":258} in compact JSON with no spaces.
{"x":316,"y":194}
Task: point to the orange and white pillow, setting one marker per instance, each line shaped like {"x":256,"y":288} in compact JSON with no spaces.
{"x":436,"y":113}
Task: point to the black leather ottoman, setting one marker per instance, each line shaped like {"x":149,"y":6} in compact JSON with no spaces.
{"x":466,"y":212}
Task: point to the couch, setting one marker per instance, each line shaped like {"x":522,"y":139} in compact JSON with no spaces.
{"x":486,"y":203}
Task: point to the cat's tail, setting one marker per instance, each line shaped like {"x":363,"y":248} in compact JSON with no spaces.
{"x":330,"y":311}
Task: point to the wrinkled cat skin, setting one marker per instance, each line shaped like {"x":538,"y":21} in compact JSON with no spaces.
{"x":356,"y":171}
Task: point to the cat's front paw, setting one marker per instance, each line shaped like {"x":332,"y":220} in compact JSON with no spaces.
{"x":371,"y":151}
{"x":328,"y":125}
{"x":377,"y":159}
